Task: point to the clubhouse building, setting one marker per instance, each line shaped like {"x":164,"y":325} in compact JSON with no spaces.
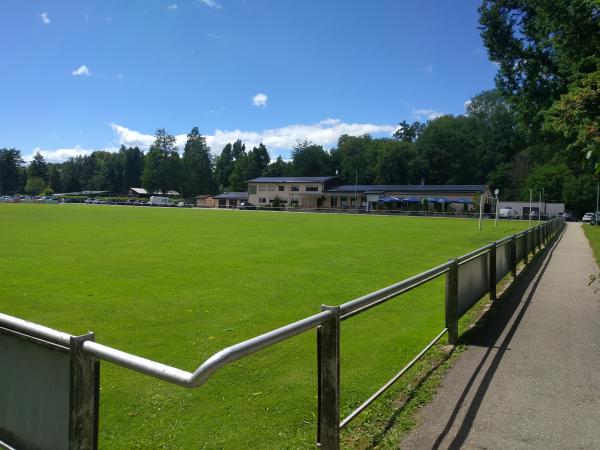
{"x":325,"y":192}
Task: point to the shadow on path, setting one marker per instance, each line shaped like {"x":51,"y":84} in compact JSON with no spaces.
{"x":486,"y":334}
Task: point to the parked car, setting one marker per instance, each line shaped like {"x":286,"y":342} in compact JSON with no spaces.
{"x":568,"y":217}
{"x":587,"y":217}
{"x":508,"y":213}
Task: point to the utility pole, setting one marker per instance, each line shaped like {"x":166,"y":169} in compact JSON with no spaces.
{"x":480,"y":211}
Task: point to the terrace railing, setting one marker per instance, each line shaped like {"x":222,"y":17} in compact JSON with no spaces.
{"x":49,"y":388}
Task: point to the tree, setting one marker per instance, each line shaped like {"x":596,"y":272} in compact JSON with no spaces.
{"x":162,"y":164}
{"x":356,"y":158}
{"x":224,"y":167}
{"x":309,"y":159}
{"x":393,"y":160}
{"x":258,"y":161}
{"x":197,"y":166}
{"x":409,"y":132}
{"x":35,"y":185}
{"x":542,"y":47}
{"x":54,"y":181}
{"x":279,"y":168}
{"x":237,"y":179}
{"x":132,"y":163}
{"x":452,"y":147}
{"x":238,"y":149}
{"x":10,"y":169}
{"x":38,"y":167}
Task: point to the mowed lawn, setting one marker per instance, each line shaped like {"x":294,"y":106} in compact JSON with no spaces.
{"x":177,"y":285}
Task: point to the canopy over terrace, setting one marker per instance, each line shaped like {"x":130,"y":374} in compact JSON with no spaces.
{"x":367,"y":196}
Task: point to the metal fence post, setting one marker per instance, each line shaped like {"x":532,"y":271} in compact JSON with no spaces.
{"x":492,"y":271}
{"x":525,"y":247}
{"x":83,"y":396}
{"x":328,"y":353}
{"x":452,"y":303}
{"x":513,"y":255}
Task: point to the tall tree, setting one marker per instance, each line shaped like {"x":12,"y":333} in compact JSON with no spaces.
{"x":38,"y":167}
{"x":238,"y":149}
{"x":132,"y":163}
{"x":310,"y":159}
{"x":279,"y":168}
{"x":224,"y":167}
{"x":409,"y":132}
{"x":10,"y":168}
{"x":393,"y":162}
{"x":197,"y":166}
{"x":54,"y":181}
{"x":162,"y":164}
{"x":542,"y":47}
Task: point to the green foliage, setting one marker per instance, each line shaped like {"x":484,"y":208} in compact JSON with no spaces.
{"x":38,"y":167}
{"x":309,"y":159}
{"x":393,"y":163}
{"x":409,"y":132}
{"x":35,"y":185}
{"x":10,"y":170}
{"x":162,"y":164}
{"x":544,"y":50}
{"x":224,"y":167}
{"x":197,"y":166}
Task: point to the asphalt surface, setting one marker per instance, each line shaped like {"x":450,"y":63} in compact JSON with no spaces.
{"x":530,"y":377}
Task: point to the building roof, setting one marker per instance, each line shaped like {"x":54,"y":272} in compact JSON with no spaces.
{"x":291,"y":179}
{"x":139,"y":190}
{"x":232,"y":196}
{"x":203,"y":196}
{"x":428,"y":188}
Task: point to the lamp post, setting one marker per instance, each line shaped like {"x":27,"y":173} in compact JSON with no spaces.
{"x":530,"y":194}
{"x":496,"y":192}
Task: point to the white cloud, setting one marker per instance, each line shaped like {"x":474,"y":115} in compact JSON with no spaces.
{"x":428,"y":68}
{"x":62,"y":154}
{"x":424,"y":113}
{"x":214,"y":36}
{"x":45,"y":18}
{"x":211,"y":3}
{"x":260,"y":100}
{"x":82,"y":70}
{"x":172,"y":7}
{"x":278,"y":140}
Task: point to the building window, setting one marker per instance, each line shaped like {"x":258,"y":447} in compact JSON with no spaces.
{"x":251,"y":189}
{"x":294,"y":202}
{"x":262,"y":187}
{"x":262,"y":200}
{"x":295,"y":188}
{"x":352,"y":201}
{"x":281,"y":188}
{"x":344,"y":202}
{"x":271,"y":187}
{"x":334,"y":202}
{"x":313,"y":188}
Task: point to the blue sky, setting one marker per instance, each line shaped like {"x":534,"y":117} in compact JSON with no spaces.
{"x":79,"y":75}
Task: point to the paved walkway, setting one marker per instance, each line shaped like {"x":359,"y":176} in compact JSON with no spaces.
{"x":531,"y":376}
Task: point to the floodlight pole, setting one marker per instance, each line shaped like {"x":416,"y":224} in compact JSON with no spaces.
{"x":540,"y":209}
{"x":496,"y":219}
{"x":480,"y":210}
{"x":530,"y":194}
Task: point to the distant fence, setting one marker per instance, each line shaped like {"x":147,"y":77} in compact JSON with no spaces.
{"x":49,"y":388}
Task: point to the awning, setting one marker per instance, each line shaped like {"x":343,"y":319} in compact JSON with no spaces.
{"x":462,"y":201}
{"x":389,"y":200}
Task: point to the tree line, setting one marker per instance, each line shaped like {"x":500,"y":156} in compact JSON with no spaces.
{"x":538,"y":130}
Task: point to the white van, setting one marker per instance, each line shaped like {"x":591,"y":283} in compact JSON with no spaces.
{"x":508,"y":213}
{"x":159,"y":201}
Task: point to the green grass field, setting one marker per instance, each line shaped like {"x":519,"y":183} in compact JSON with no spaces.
{"x":593,"y":235}
{"x":178,"y":285}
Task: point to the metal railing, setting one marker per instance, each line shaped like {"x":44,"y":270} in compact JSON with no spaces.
{"x":468,"y":278}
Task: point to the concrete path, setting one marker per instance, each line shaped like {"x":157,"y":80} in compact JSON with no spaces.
{"x":531,"y":375}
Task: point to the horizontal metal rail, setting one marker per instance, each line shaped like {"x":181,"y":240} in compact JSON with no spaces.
{"x":392,"y":291}
{"x":387,"y":385}
{"x":162,"y":371}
